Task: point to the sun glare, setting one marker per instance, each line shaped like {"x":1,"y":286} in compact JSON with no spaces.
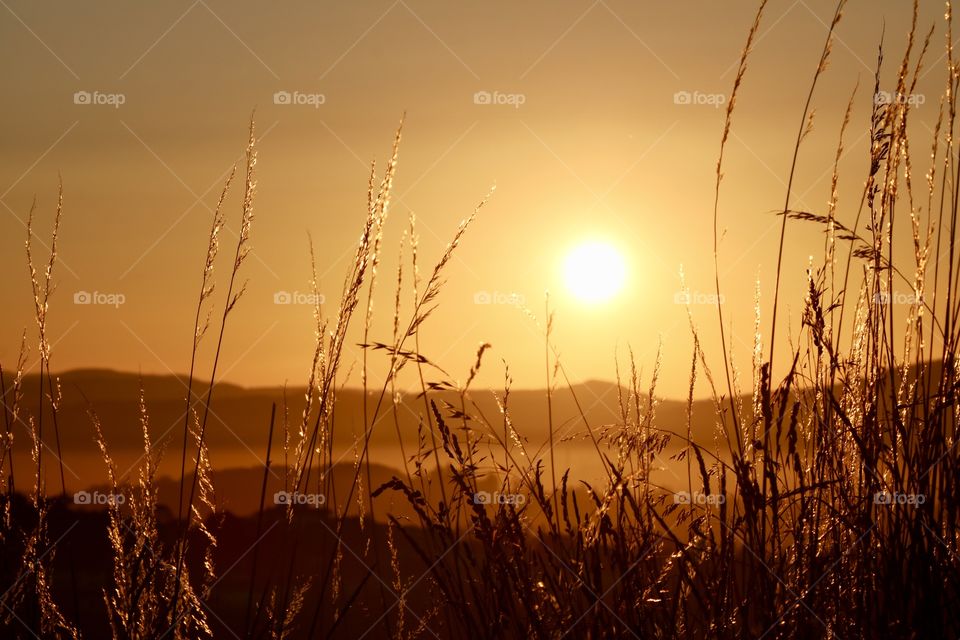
{"x":594,"y":272}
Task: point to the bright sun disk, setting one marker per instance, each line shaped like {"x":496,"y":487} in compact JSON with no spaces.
{"x":594,"y":272}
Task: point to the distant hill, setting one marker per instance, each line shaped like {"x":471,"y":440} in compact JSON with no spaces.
{"x":239,"y":421}
{"x":246,"y":411}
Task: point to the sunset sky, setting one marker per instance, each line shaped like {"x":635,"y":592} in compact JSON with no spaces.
{"x":589,"y":137}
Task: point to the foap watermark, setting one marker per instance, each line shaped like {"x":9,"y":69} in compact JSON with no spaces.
{"x":98,"y":498}
{"x":885,"y":97}
{"x":299,"y":499}
{"x":896,"y":298}
{"x":515,"y":100}
{"x":685,"y":497}
{"x":886,"y":497}
{"x":299,"y":98}
{"x":498,"y":297}
{"x":698,"y":297}
{"x":100,"y":98}
{"x":298,"y":297}
{"x":485,"y":497}
{"x":699,"y":98}
{"x":98,"y":297}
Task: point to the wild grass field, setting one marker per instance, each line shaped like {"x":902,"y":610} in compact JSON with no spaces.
{"x":821,"y":502}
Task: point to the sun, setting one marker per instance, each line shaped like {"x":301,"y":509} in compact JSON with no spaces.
{"x":594,"y":272}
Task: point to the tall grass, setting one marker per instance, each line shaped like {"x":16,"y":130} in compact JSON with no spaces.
{"x":829,"y":491}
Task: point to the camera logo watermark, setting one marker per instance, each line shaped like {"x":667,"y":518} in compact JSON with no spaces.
{"x":297,"y":297}
{"x":96,"y":297}
{"x":97,"y":498}
{"x":99,"y":98}
{"x":685,"y":497}
{"x":699,"y":98}
{"x":912,"y":499}
{"x":299,"y":98}
{"x":896,"y":298}
{"x":515,"y":100}
{"x":485,"y":497}
{"x":497,"y":297}
{"x":697,"y":297}
{"x":299,"y":499}
{"x":885,"y":97}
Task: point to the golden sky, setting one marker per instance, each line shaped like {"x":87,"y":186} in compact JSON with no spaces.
{"x":596,"y":121}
